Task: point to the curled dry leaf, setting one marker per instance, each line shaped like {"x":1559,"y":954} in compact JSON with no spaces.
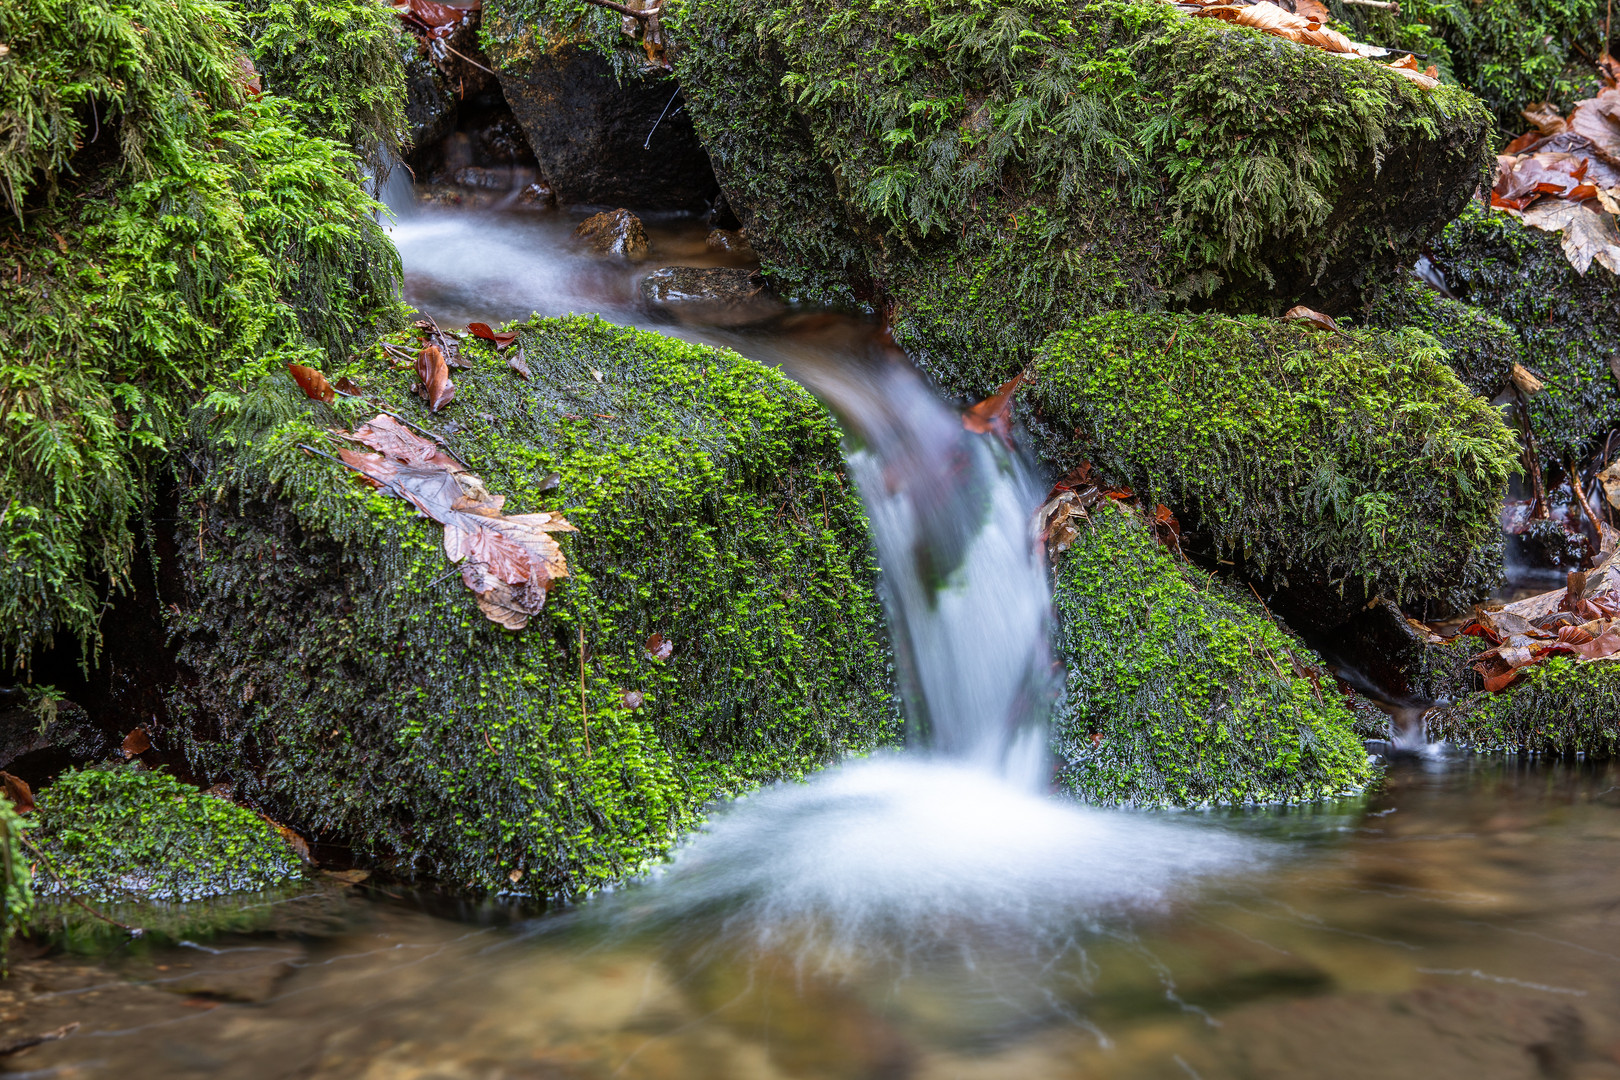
{"x":659,"y":647}
{"x":16,"y":789}
{"x":432,"y":18}
{"x":1407,"y":67}
{"x":311,"y":382}
{"x":518,"y":365}
{"x":137,"y":742}
{"x":347,"y":385}
{"x":1301,"y":313}
{"x":1526,"y":383}
{"x":499,"y":339}
{"x":437,"y":389}
{"x":993,"y":415}
{"x":1271,"y":19}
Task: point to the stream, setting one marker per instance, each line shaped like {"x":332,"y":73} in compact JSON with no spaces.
{"x":924,"y":913}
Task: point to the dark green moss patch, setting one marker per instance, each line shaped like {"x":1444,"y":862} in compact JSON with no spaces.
{"x":1569,"y":324}
{"x":346,"y":679}
{"x":1560,"y":708}
{"x":1180,"y":691}
{"x":1352,"y":459}
{"x":1480,"y":347}
{"x":125,"y":833}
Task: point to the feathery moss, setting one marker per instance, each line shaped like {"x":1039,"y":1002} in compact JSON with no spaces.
{"x":166,"y":235}
{"x":1317,"y":458}
{"x":1560,"y":708}
{"x":1182,"y":692}
{"x":347,"y":680}
{"x":1480,"y":347}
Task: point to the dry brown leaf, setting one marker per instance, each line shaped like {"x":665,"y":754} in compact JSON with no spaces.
{"x":993,"y":415}
{"x":1301,"y":313}
{"x":387,"y":435}
{"x":1271,"y":19}
{"x":1589,"y":235}
{"x":519,"y":365}
{"x":633,"y":699}
{"x":1598,"y":118}
{"x":137,"y":742}
{"x":1526,"y":383}
{"x":500,"y":339}
{"x":1407,"y":67}
{"x":659,"y":647}
{"x":437,"y":389}
{"x":311,"y":382}
{"x":16,"y":789}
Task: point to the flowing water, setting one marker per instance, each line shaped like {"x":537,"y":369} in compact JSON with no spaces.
{"x":925,"y":913}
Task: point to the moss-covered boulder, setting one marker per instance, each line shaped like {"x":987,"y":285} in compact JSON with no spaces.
{"x":1181,"y":691}
{"x":1511,"y":53}
{"x":1480,"y":347}
{"x":1346,"y":464}
{"x":987,"y":172}
{"x":164,"y":233}
{"x":123,"y":833}
{"x":1568,"y":323}
{"x":1560,"y":708}
{"x":344,"y":677}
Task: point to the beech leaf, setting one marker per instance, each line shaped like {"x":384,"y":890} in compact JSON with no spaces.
{"x":993,"y":415}
{"x":437,"y":389}
{"x":311,"y":382}
{"x":137,"y":742}
{"x":1301,"y":313}
{"x":481,"y":330}
{"x":518,"y":365}
{"x":17,"y":790}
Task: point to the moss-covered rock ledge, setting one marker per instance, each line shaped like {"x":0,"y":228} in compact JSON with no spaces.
{"x":343,"y":677}
{"x":1339,"y":465}
{"x":1181,"y":691}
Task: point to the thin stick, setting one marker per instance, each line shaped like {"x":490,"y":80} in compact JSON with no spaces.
{"x":1580,"y":497}
{"x":1387,"y":5}
{"x":634,"y":13}
{"x":584,"y":717}
{"x":481,"y":67}
{"x":1538,"y":508}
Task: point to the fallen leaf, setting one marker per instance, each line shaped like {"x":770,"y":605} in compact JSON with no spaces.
{"x":515,"y":876}
{"x":388,"y":435}
{"x":437,"y":389}
{"x":294,"y":841}
{"x":137,"y":742}
{"x":247,"y":77}
{"x":1407,"y":67}
{"x":432,"y":18}
{"x":1610,"y":479}
{"x":1271,"y":19}
{"x":1588,"y":234}
{"x":347,"y":385}
{"x":16,"y":789}
{"x":501,"y":340}
{"x":1598,"y":118}
{"x":516,"y":362}
{"x":659,"y":646}
{"x":633,"y":699}
{"x":1526,"y":383}
{"x":1301,"y":313}
{"x":311,"y":382}
{"x":993,"y":415}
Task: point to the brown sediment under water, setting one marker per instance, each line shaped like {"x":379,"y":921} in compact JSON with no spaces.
{"x":1461,"y":921}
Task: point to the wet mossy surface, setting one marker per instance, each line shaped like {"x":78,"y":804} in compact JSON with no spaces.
{"x":163,"y":235}
{"x":344,"y":678}
{"x":125,"y":833}
{"x":988,"y":172}
{"x":17,"y":903}
{"x":1569,"y":323}
{"x":1560,"y":708}
{"x":1480,"y":347}
{"x":1353,"y":464}
{"x":1180,"y":691}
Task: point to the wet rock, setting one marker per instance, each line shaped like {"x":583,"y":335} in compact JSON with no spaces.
{"x":709,"y":294}
{"x":601,"y":139}
{"x":36,"y":742}
{"x":430,"y":104}
{"x":537,"y":195}
{"x":731,"y":241}
{"x":474,"y":176}
{"x":614,"y":232}
{"x":1559,"y":708}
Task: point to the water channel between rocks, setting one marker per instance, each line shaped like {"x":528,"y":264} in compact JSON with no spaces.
{"x":930,"y":913}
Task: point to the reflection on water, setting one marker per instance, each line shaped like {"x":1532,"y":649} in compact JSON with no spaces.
{"x":1464,"y":923}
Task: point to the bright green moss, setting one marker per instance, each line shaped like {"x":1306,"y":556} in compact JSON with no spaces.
{"x":121,"y":832}
{"x":347,"y":679}
{"x":1560,"y":708}
{"x":16,"y":880}
{"x":1510,"y":52}
{"x":1569,"y":323}
{"x":168,"y":236}
{"x":341,"y":59}
{"x":987,"y":171}
{"x":1344,"y":459}
{"x":1180,"y":691}
{"x":1480,"y":347}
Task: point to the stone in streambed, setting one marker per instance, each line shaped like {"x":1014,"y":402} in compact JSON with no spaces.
{"x":713,"y":294}
{"x":731,"y":241}
{"x":613,"y":232}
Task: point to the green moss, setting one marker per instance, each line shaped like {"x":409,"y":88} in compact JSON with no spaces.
{"x":341,"y":59}
{"x":1510,"y":52}
{"x":988,"y":171}
{"x":16,"y":880}
{"x":168,"y":236}
{"x":1569,"y":324}
{"x":347,"y":680}
{"x":1560,"y":708}
{"x":1480,"y":347}
{"x":121,"y":832}
{"x":1180,"y":691}
{"x":1344,"y":459}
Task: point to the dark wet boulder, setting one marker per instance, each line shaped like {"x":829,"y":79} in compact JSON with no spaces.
{"x":40,"y":735}
{"x":613,"y":232}
{"x":430,"y":103}
{"x":1334,"y":466}
{"x":601,"y":135}
{"x":730,"y":241}
{"x":1117,"y":156}
{"x":341,"y":675}
{"x":1568,"y":323}
{"x":714,"y":294}
{"x":1182,"y":691}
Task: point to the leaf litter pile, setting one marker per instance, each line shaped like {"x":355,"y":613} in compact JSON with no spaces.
{"x":1581,"y":620}
{"x":1564,"y":176}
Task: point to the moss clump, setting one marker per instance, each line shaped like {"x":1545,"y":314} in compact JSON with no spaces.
{"x":1352,"y":459}
{"x":122,"y":832}
{"x":1510,"y":52}
{"x":1560,"y":708}
{"x":1569,"y":324}
{"x":989,"y":171}
{"x":347,"y":680}
{"x":167,"y":235}
{"x":1180,"y":691}
{"x":16,"y":880}
{"x":1480,"y":347}
{"x":341,"y":59}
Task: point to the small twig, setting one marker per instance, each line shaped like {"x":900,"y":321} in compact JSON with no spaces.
{"x":481,"y":67}
{"x":648,"y":144}
{"x":1385,"y":5}
{"x":1580,"y":497}
{"x":7,"y":1049}
{"x":1538,"y":508}
{"x":634,"y":13}
{"x":584,"y":717}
